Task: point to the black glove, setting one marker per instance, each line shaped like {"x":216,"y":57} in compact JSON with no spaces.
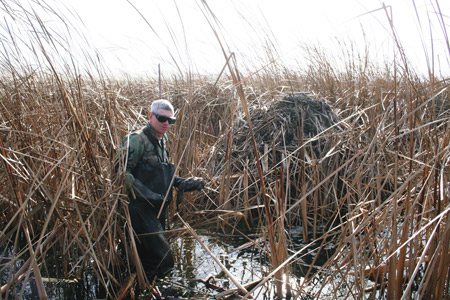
{"x":192,"y":184}
{"x":144,"y":193}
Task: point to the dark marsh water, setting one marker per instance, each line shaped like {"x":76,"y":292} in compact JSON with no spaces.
{"x":246,"y":261}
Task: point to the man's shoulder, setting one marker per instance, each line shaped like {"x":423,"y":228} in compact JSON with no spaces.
{"x":133,"y":140}
{"x":132,"y":137}
{"x":139,"y":139}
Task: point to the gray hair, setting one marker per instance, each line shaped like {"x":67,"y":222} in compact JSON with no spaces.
{"x":161,"y":104}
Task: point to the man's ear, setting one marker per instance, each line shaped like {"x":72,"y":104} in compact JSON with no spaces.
{"x":150,"y":115}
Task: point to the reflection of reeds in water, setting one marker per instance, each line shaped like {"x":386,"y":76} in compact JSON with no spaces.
{"x":373,"y":186}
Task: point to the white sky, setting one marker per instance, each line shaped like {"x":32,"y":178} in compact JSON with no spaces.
{"x":178,"y":35}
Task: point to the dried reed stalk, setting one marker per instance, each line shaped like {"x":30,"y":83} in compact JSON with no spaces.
{"x":224,"y":269}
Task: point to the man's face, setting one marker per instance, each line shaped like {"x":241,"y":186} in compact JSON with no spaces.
{"x":160,"y":127}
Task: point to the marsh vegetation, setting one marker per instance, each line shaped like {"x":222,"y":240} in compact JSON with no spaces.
{"x":335,"y":177}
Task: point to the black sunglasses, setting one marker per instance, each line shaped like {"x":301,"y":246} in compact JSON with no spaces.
{"x":163,"y":119}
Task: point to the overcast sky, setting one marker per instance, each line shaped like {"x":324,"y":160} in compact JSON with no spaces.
{"x":135,"y":36}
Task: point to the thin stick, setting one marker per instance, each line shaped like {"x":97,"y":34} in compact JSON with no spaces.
{"x":224,"y":269}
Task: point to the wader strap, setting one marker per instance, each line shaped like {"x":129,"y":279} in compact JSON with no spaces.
{"x":156,"y":144}
{"x":151,"y":137}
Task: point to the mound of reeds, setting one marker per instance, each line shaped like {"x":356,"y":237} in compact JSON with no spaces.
{"x":290,"y":131}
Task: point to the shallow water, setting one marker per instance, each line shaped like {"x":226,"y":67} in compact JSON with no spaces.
{"x":193,"y":267}
{"x":247,"y":264}
{"x":193,"y":263}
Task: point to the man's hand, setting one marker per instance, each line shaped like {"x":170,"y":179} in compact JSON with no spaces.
{"x":192,"y":184}
{"x":144,"y":193}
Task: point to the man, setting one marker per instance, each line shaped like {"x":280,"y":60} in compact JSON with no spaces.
{"x":149,"y":178}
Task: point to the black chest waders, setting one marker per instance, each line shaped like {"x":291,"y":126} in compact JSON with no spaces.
{"x":154,"y":250}
{"x":157,"y":177}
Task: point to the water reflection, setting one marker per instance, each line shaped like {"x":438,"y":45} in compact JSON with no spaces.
{"x":194,"y":266}
{"x":196,"y":274}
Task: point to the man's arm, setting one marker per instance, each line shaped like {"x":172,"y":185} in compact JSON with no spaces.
{"x":134,"y":148}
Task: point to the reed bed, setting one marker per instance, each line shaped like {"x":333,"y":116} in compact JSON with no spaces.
{"x":359,"y":161}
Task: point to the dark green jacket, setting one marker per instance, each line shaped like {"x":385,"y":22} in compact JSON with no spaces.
{"x":139,"y":149}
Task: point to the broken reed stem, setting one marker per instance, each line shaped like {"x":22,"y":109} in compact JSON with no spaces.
{"x":224,"y":269}
{"x":392,"y":283}
{"x":303,"y":186}
{"x":408,"y":224}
